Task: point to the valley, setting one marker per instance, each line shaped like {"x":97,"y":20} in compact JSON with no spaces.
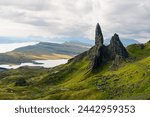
{"x":99,"y":73}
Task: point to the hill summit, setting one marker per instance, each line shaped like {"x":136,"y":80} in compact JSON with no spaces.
{"x":100,"y":54}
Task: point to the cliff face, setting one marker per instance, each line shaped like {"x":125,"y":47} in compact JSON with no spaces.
{"x":100,"y":54}
{"x":98,"y":36}
{"x":97,"y":53}
{"x":117,"y":48}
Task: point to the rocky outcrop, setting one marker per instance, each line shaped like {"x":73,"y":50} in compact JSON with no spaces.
{"x":116,"y":48}
{"x":98,"y":36}
{"x":116,"y":63}
{"x":97,"y":56}
{"x":100,"y":54}
{"x":97,"y":52}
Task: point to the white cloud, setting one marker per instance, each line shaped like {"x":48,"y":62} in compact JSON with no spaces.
{"x":75,"y":18}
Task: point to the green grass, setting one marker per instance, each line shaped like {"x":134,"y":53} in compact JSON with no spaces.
{"x":75,"y":81}
{"x":135,"y":51}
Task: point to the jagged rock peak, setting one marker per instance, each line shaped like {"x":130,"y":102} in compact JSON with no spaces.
{"x":115,"y":37}
{"x":100,"y":54}
{"x":117,"y":48}
{"x":98,"y":36}
{"x":115,"y":41}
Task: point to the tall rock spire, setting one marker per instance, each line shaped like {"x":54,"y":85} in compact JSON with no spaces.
{"x":97,"y":57}
{"x":98,"y":36}
{"x":100,"y":54}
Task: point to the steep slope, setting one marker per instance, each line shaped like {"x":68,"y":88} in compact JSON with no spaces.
{"x":78,"y":79}
{"x":74,"y":81}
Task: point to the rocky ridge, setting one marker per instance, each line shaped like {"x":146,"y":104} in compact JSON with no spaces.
{"x":100,"y":54}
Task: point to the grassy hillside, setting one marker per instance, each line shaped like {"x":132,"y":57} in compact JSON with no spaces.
{"x":74,"y":81}
{"x":139,"y":51}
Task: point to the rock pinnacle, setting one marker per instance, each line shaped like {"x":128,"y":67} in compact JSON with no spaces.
{"x":98,"y":36}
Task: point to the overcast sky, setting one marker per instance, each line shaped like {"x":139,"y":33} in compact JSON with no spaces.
{"x":75,"y":18}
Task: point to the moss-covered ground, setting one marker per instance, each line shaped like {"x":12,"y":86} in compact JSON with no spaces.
{"x":74,"y":81}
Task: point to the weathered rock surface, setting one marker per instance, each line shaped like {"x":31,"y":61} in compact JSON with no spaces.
{"x":100,"y":54}
{"x":98,"y":36}
{"x":116,"y":63}
{"x":116,"y":48}
{"x":97,"y":53}
{"x":97,"y":56}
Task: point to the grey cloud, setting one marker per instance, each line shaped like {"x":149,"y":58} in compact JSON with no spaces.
{"x":128,"y":18}
{"x":77,"y":18}
{"x":79,"y":7}
{"x":35,"y":5}
{"x":77,"y":30}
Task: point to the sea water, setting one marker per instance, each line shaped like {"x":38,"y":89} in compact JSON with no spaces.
{"x":42,"y":63}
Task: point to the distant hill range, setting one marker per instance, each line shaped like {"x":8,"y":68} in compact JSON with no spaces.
{"x":67,"y":48}
{"x":110,"y":72}
{"x":76,"y":41}
{"x":43,"y":51}
{"x":47,"y":50}
{"x":125,"y":42}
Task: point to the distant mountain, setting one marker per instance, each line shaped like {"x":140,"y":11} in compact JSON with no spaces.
{"x":90,"y":43}
{"x":44,"y":39}
{"x":77,"y":43}
{"x":77,"y":40}
{"x":50,"y":48}
{"x":110,"y":72}
{"x":43,"y":50}
{"x":125,"y":42}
